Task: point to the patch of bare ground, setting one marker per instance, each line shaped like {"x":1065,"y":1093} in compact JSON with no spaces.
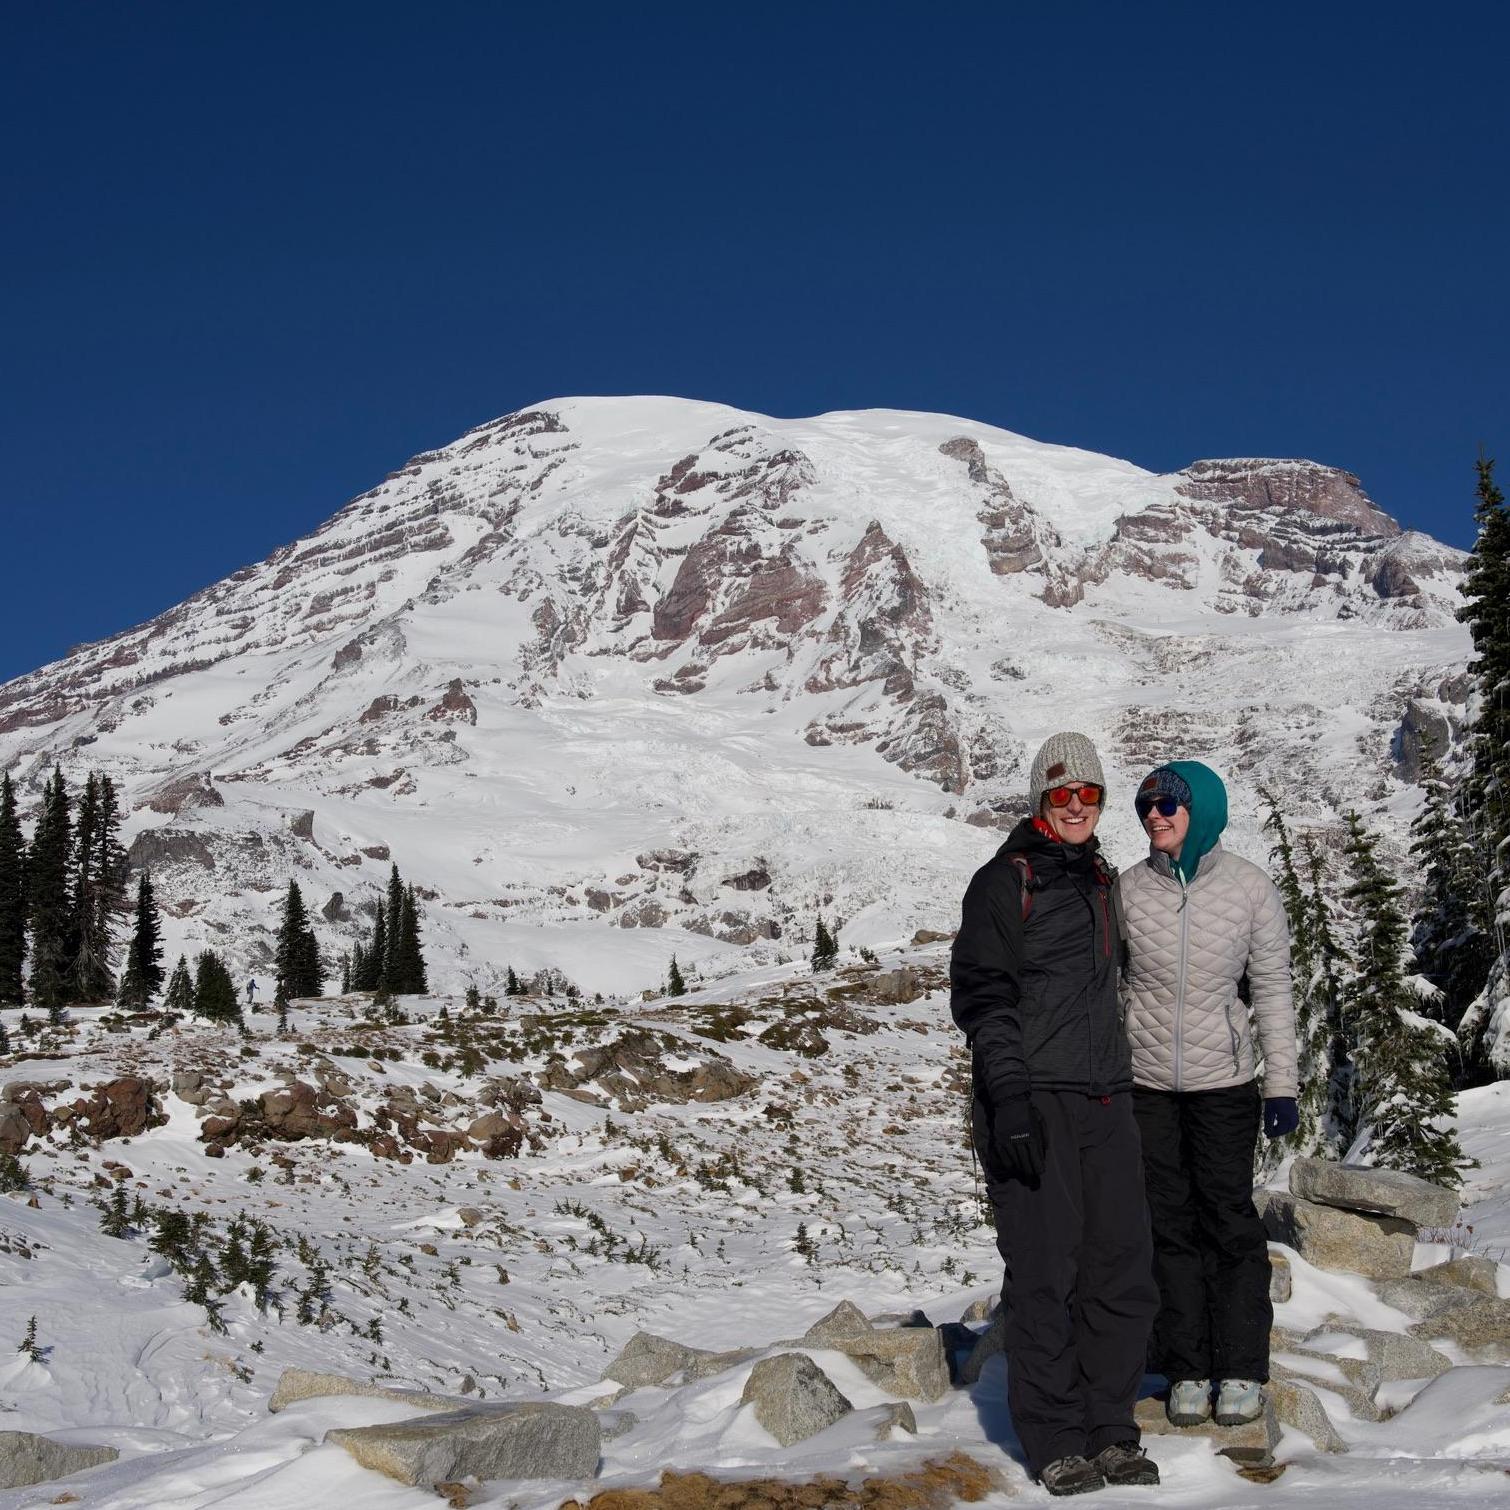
{"x":934,"y":1485}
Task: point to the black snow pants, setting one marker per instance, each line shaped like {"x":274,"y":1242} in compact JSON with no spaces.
{"x":1211,"y":1257}
{"x":1079,"y":1288}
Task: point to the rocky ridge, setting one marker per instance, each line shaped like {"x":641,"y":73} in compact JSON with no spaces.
{"x":660,"y":666}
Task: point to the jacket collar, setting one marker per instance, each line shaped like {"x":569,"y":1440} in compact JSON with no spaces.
{"x":1160,"y":864}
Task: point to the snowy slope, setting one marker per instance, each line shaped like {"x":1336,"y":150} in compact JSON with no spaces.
{"x":491,"y":1278}
{"x":613,"y":679}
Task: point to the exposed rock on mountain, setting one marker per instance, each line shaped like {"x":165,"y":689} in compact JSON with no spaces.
{"x":816,"y":653}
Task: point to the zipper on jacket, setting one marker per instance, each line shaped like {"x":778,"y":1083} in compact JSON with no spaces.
{"x":1179,"y":996}
{"x":1232,"y":1030}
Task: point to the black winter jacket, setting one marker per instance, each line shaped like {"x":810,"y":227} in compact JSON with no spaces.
{"x":1037,"y":996}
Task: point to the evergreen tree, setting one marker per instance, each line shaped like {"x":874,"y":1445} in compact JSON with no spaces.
{"x":48,"y":900}
{"x":1484,"y":799}
{"x":143,"y":976}
{"x":1486,"y":611}
{"x":675,"y":985}
{"x":370,"y":977}
{"x":825,"y":947}
{"x":345,"y":971}
{"x":359,"y":968}
{"x":280,"y":1005}
{"x":409,"y":973}
{"x":512,"y":986}
{"x":12,"y":899}
{"x":83,"y":947}
{"x":180,"y":994}
{"x":108,"y":872}
{"x":1329,"y":962}
{"x":1312,"y":1030}
{"x":1451,"y":933}
{"x":215,"y":996}
{"x":393,"y":944}
{"x":1402,"y":1089}
{"x":297,"y":956}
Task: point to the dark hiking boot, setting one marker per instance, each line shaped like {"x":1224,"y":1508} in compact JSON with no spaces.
{"x":1072,"y":1475}
{"x":1125,"y":1463}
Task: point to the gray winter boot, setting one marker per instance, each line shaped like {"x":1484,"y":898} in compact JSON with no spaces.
{"x":1189,"y":1402}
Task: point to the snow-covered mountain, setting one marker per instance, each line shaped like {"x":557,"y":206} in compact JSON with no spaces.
{"x":613,"y":679}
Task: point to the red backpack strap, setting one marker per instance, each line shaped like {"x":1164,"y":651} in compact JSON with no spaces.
{"x":1025,"y":872}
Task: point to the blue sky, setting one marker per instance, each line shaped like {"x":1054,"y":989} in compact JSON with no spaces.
{"x":256,"y":256}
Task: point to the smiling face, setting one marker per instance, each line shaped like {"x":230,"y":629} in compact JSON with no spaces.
{"x":1074,"y":823}
{"x":1167,"y":835}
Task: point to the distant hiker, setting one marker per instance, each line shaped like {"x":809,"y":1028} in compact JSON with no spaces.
{"x":251,"y":992}
{"x":1198,"y":922}
{"x":1035,"y":989}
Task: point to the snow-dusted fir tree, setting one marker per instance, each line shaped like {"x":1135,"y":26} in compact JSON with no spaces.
{"x":300,"y":971}
{"x":97,"y":894}
{"x":47,"y":898}
{"x":1313,"y":1031}
{"x":143,"y":976}
{"x":1331,"y":963}
{"x":12,"y":899}
{"x":215,"y":996}
{"x":825,"y":947}
{"x":179,"y":997}
{"x":1401,"y":1085}
{"x":1484,"y":1029}
{"x":1450,"y":932}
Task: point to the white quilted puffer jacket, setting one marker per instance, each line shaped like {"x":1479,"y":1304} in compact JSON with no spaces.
{"x":1188,"y":947}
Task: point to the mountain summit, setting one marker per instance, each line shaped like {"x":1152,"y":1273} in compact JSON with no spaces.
{"x":615,"y":678}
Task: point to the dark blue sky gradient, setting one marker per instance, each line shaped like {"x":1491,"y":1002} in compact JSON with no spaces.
{"x":256,"y":256}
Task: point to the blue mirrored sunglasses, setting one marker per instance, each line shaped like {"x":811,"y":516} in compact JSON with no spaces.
{"x":1167,"y":806}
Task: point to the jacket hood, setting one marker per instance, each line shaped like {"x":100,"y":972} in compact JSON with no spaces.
{"x":1208,"y":814}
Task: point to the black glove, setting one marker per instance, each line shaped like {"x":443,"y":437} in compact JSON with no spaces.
{"x":1281,"y":1116}
{"x":1017,"y":1137}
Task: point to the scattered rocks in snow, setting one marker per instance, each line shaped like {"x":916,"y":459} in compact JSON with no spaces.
{"x":909,"y":1361}
{"x":894,"y":1416}
{"x":523,"y":1441}
{"x":1421,"y":1299}
{"x":845,"y":1320}
{"x":1470,"y":1272}
{"x":991,"y":1342}
{"x":26,"y":1458}
{"x":295,"y":1384}
{"x":1297,"y":1405}
{"x":896,"y":986}
{"x":793,"y":1398}
{"x":1482,"y":1327}
{"x":1386,"y":1356}
{"x":1281,"y":1284}
{"x":1386,"y":1192}
{"x":632,"y":1069}
{"x":648,"y":1359}
{"x":1378,"y":1247}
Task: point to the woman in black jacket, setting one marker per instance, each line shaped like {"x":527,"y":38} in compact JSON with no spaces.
{"x":1034,"y":987}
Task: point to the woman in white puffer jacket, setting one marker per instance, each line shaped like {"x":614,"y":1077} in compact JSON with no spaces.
{"x":1198,"y":921}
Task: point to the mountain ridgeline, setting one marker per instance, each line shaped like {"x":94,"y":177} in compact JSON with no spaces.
{"x":623,"y":678}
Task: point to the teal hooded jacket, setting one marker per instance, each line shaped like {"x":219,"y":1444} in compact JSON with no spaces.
{"x":1208,"y":814}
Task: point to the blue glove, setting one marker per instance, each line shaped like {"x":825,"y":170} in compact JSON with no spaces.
{"x":1281,"y":1116}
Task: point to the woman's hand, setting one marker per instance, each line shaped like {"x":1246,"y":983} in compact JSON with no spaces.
{"x":1281,"y":1116}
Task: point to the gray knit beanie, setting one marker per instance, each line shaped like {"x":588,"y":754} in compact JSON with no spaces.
{"x":1064,"y":757}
